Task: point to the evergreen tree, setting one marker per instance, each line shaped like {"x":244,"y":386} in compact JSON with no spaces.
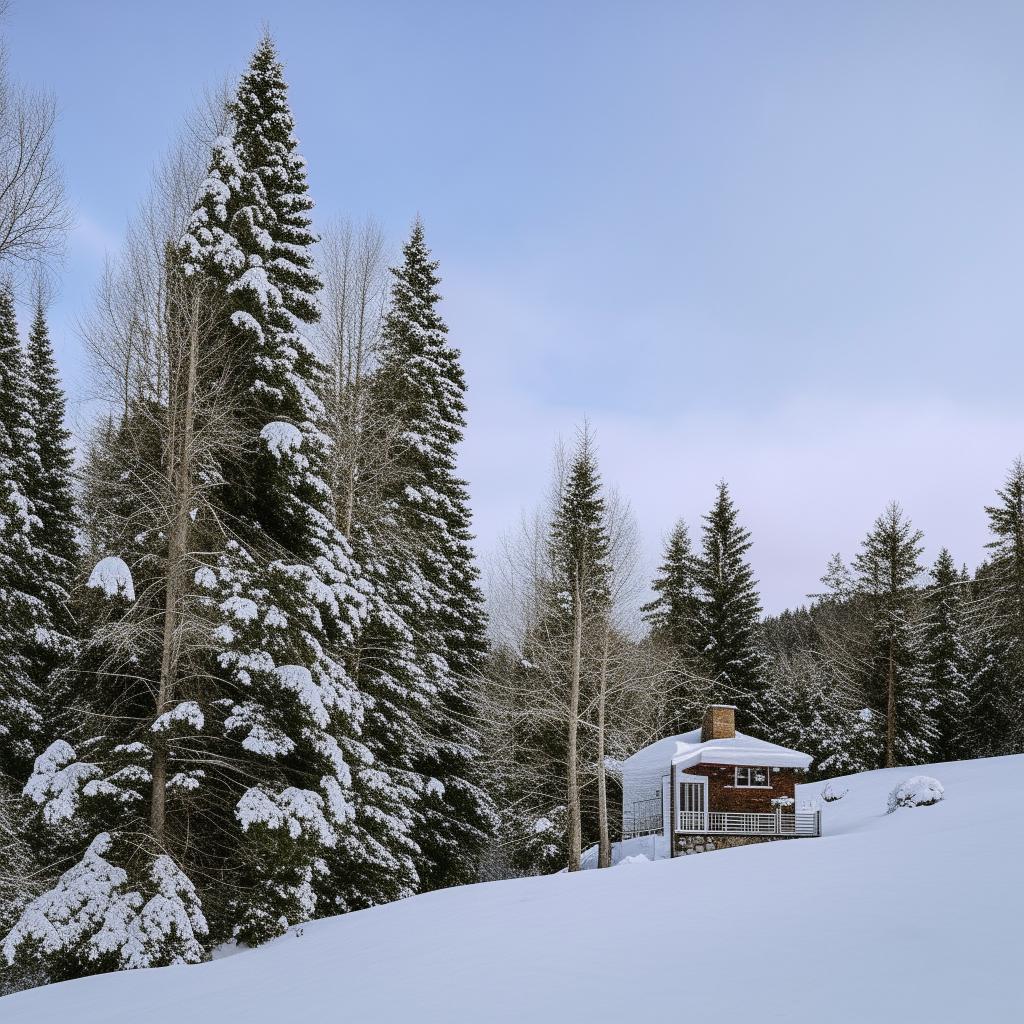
{"x":947,"y":654}
{"x":50,"y":488}
{"x":382,"y":865}
{"x":672,"y":617}
{"x":21,"y":699}
{"x":888,"y":567}
{"x":122,"y":904}
{"x":987,"y":725}
{"x":672,"y":614}
{"x":580,"y":549}
{"x":419,"y":391}
{"x":997,"y":698}
{"x":727,"y":623}
{"x":288,"y":595}
{"x":579,"y":536}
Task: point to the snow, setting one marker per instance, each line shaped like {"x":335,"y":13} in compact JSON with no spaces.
{"x":186,"y":713}
{"x":56,"y":781}
{"x":920,"y":791}
{"x":92,"y":909}
{"x":299,"y":680}
{"x":912,"y":916}
{"x":293,"y":809}
{"x":738,"y":749}
{"x":87,"y":907}
{"x":652,"y":847}
{"x":241,"y":608}
{"x":281,"y":438}
{"x":113,"y":577}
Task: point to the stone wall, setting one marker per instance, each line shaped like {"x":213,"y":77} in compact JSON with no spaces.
{"x":692,"y":842}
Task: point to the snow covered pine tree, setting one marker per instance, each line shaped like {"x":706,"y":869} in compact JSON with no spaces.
{"x":947,"y":655}
{"x":288,"y":594}
{"x":21,"y":696}
{"x":729,"y":608}
{"x":888,"y":567}
{"x":50,"y":488}
{"x":581,"y":575}
{"x":419,"y":390}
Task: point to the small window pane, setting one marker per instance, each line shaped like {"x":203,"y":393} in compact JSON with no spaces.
{"x":760,"y":776}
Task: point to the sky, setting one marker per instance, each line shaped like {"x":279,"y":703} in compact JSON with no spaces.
{"x":777,"y":244}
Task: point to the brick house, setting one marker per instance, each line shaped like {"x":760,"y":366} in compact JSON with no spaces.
{"x":715,"y":787}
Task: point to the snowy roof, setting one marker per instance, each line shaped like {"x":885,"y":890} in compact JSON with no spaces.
{"x":686,"y":750}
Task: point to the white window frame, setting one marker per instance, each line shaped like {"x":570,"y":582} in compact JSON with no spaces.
{"x":750,"y":769}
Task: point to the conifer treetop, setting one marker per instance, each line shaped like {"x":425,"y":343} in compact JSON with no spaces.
{"x":580,"y":542}
{"x":671,"y":613}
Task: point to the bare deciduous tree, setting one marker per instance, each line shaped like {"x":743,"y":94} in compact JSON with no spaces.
{"x":34,"y":215}
{"x":158,"y":360}
{"x":353,"y":265}
{"x":528,"y":697}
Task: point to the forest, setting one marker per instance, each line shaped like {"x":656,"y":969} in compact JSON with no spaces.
{"x":251,"y":673}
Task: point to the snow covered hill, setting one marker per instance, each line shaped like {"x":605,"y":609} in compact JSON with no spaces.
{"x":910,"y":917}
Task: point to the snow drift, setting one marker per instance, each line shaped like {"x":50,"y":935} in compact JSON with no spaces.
{"x":902,"y":917}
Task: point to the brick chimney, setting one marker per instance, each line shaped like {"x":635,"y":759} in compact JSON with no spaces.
{"x":719,"y":723}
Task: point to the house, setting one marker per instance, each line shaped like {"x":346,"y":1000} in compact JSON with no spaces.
{"x":714,"y":787}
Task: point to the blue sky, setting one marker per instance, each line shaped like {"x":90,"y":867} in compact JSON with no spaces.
{"x":777,"y":243}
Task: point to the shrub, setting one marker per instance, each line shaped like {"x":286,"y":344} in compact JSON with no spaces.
{"x":920,"y":791}
{"x":830,"y":795}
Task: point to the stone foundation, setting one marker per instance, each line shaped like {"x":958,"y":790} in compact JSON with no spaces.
{"x":693,"y":842}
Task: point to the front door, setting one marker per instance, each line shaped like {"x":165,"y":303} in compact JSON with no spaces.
{"x":693,"y":805}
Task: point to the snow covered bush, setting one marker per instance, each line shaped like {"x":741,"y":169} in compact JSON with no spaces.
{"x":830,"y":795}
{"x":920,"y":791}
{"x":95,"y":919}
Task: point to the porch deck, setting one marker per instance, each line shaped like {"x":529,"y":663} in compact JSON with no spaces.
{"x":738,"y":823}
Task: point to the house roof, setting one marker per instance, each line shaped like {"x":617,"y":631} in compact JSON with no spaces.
{"x":686,"y":750}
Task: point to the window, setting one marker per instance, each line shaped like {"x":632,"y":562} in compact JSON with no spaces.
{"x":754,"y":778}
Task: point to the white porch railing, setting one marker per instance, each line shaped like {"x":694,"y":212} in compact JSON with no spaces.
{"x":802,"y":823}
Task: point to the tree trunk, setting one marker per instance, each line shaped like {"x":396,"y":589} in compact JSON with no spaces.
{"x":575,"y":828}
{"x":890,"y":710}
{"x":182,"y":412}
{"x":604,"y":844}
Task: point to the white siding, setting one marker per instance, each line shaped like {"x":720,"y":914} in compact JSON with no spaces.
{"x":642,"y":774}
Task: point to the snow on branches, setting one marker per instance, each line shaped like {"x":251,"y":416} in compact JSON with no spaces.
{"x":113,"y":577}
{"x":95,"y":917}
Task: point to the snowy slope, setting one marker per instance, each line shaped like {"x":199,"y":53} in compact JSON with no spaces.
{"x":910,"y":917}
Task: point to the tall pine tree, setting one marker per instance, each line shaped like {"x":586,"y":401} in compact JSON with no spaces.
{"x":419,"y":391}
{"x":947,"y":654}
{"x":997,"y":691}
{"x":580,"y":549}
{"x":672,"y":614}
{"x":888,"y":567}
{"x":727,"y":623}
{"x":21,"y":695}
{"x":289,"y":597}
{"x":50,"y":488}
